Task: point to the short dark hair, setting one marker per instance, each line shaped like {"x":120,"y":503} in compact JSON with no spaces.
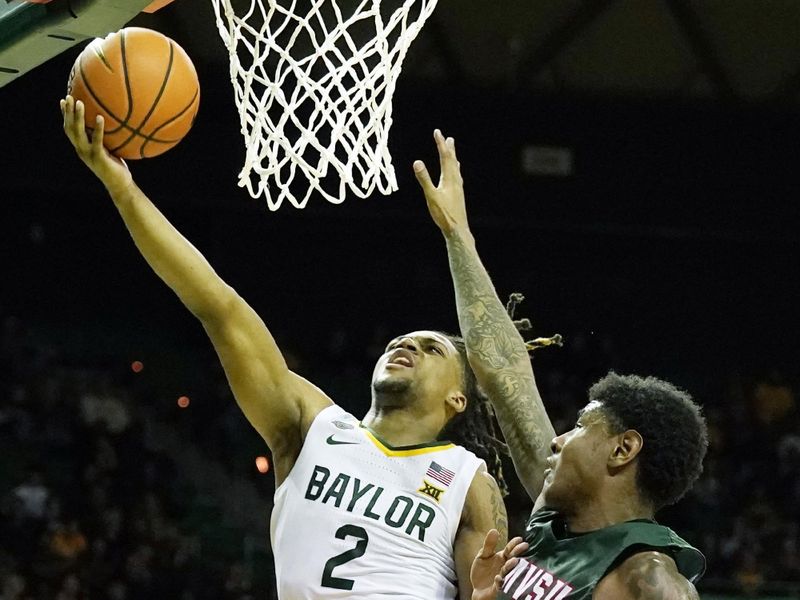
{"x":474,"y":428}
{"x":671,"y":425}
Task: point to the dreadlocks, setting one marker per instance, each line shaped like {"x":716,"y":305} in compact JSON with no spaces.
{"x":476,"y":428}
{"x":515,"y":300}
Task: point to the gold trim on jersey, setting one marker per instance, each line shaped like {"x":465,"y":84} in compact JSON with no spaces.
{"x":415,"y":450}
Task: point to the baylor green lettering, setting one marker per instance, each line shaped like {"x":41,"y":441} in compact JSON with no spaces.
{"x":358,"y":492}
{"x":337,"y":489}
{"x":316,"y":484}
{"x":368,"y":511}
{"x":422,"y":523}
{"x":398,"y":522}
{"x":405,"y":513}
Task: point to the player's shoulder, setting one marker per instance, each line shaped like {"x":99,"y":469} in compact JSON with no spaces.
{"x":646,"y":575}
{"x":464,"y":454}
{"x":457,"y":458}
{"x":333,"y":415}
{"x":326,"y":420}
{"x":483,"y":484}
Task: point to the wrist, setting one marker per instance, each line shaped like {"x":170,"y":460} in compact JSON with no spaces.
{"x":461,"y":233}
{"x":121,"y":189}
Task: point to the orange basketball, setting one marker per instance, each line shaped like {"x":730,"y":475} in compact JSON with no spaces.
{"x":144,"y":85}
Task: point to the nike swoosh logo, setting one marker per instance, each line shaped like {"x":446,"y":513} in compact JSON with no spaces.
{"x":334,"y":442}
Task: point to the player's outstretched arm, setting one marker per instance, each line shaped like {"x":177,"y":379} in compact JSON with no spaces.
{"x":646,"y":576}
{"x":495,"y":349}
{"x":278,"y":403}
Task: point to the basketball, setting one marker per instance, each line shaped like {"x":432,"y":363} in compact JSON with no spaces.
{"x":143,"y":84}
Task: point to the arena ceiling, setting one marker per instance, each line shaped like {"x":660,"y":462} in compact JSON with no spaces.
{"x":728,"y":50}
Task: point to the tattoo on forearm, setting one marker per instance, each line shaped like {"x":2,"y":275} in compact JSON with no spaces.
{"x":492,"y":339}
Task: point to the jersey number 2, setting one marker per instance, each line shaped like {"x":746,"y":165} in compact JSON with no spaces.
{"x":339,"y":583}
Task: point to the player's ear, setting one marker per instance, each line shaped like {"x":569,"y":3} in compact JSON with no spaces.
{"x":457,"y":402}
{"x":627,"y":446}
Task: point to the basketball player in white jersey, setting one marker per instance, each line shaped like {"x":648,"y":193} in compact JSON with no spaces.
{"x":375,"y":508}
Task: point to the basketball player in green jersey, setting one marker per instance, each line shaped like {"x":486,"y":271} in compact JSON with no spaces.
{"x":638,"y":445}
{"x":368,"y":509}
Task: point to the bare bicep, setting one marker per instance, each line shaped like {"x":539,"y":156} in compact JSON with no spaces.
{"x":484,"y":509}
{"x":279,"y":404}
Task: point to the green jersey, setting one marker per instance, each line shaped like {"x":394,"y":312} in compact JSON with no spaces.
{"x":563,"y":566}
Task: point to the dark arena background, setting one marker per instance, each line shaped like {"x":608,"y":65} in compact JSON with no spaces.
{"x":631,"y":167}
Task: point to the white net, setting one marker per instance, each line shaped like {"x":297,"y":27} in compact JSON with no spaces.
{"x":313,"y":81}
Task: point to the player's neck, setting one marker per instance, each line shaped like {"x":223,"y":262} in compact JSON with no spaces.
{"x":400,"y":426}
{"x":602,"y":512}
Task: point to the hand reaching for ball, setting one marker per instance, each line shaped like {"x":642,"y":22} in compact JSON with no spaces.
{"x":145,"y":86}
{"x":112,"y":171}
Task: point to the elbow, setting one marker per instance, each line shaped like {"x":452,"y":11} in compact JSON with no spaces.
{"x":216,"y":306}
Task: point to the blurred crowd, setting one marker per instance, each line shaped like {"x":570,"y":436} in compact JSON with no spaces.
{"x":92,"y":506}
{"x":89,"y":507}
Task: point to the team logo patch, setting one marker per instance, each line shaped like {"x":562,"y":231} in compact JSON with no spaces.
{"x":342,"y":425}
{"x":431,"y":490}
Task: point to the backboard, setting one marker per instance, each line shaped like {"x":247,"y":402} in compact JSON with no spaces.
{"x":33,"y":32}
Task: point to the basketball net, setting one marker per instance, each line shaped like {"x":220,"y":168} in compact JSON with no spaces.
{"x":313,"y":84}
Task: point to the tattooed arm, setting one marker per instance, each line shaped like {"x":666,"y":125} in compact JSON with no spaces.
{"x":646,"y":576}
{"x":498,"y":356}
{"x":483,"y":511}
{"x":496,"y":351}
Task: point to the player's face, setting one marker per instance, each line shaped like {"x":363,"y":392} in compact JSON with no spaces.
{"x":578,"y":462}
{"x":425,"y":363}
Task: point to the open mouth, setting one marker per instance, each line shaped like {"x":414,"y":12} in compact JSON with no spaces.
{"x":402,"y":358}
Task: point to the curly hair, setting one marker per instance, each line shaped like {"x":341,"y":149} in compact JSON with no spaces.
{"x":475,"y":427}
{"x":671,"y":425}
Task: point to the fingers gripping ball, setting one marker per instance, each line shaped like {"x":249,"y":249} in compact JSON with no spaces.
{"x":145,"y":87}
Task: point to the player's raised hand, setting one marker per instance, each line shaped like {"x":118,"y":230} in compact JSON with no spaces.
{"x":490,"y":567}
{"x":446,"y":200}
{"x":112,"y":171}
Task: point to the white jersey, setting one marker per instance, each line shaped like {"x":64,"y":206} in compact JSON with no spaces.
{"x":357,"y":518}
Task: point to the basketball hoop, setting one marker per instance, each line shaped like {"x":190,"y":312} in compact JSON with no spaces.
{"x":313,"y":85}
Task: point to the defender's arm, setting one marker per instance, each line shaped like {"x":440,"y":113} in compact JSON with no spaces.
{"x":495,"y":349}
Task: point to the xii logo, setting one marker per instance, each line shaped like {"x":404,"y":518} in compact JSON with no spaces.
{"x":431,"y":490}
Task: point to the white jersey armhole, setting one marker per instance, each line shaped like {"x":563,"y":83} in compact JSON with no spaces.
{"x":328,"y":410}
